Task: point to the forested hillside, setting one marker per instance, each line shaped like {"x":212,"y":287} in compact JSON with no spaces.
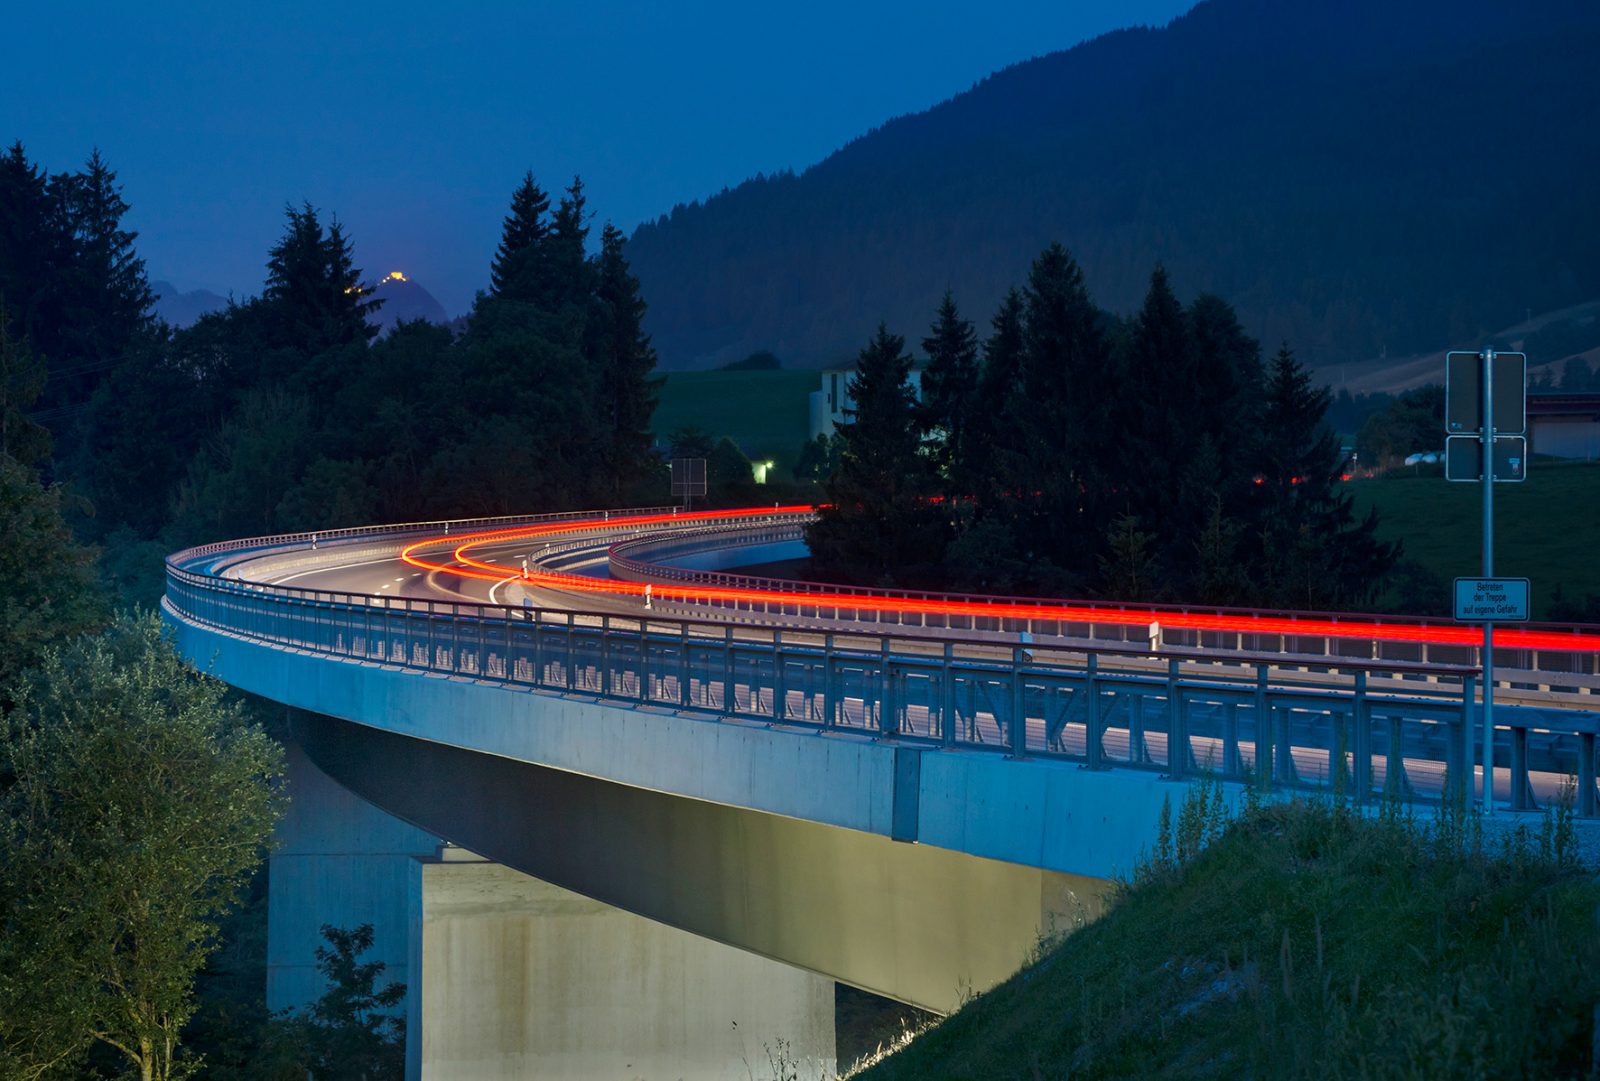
{"x":1358,"y":178}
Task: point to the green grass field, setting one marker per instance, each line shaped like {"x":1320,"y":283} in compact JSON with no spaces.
{"x":1547,"y":527}
{"x":766,"y":413}
{"x":1306,"y":942}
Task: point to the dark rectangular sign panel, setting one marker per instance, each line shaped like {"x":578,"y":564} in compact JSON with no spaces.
{"x":1463,"y":393}
{"x":1463,"y":458}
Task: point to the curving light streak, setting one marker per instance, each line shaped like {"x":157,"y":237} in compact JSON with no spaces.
{"x":1229,"y":623}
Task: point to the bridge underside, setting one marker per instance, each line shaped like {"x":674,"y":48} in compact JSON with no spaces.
{"x":913,"y":922}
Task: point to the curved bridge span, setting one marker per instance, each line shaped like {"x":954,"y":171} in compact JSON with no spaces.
{"x":898,"y":790}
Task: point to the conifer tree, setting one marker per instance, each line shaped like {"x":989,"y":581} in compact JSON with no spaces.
{"x":877,"y":523}
{"x":110,"y":295}
{"x":1068,"y":385}
{"x":568,"y":262}
{"x":22,"y":380}
{"x":517,"y":273}
{"x":992,"y":431}
{"x":949,"y":387}
{"x":1158,"y":435}
{"x":30,"y":246}
{"x":314,"y":298}
{"x":621,"y":350}
{"x":1312,"y":552}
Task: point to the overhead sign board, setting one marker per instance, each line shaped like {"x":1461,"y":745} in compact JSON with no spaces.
{"x":1491,"y":600}
{"x":1463,"y":458}
{"x":1463,"y":393}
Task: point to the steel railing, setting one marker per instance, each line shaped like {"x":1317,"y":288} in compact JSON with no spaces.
{"x":1363,"y":727}
{"x":1577,"y":671}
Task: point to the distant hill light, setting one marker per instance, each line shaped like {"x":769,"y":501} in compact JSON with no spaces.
{"x":396,"y":276}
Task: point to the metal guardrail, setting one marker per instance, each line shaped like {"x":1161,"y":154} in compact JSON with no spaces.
{"x":1365,"y":728}
{"x":640,"y":560}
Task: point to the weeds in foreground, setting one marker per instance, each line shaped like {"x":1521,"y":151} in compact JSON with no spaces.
{"x":1308,"y":938}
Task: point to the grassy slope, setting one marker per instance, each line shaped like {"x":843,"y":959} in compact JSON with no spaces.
{"x":1304,"y":943}
{"x":1547,"y":528}
{"x":766,"y":413}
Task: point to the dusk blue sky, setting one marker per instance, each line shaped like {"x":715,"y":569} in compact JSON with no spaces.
{"x":412,"y":122}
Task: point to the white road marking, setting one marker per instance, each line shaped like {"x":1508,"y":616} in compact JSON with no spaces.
{"x":497,"y":585}
{"x":325,"y":570}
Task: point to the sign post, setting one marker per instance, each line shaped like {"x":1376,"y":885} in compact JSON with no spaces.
{"x":1477,"y":387}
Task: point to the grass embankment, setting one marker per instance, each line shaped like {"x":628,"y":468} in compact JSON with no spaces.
{"x":1305,"y":941}
{"x":1547,"y":528}
{"x":766,"y":413}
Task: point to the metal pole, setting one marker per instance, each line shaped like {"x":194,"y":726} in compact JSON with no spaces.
{"x":1488,"y":572}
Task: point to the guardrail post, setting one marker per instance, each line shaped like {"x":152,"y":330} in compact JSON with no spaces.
{"x":1586,"y":791}
{"x":1462,"y":786}
{"x":1521,"y":791}
{"x":605,"y":655}
{"x":1018,"y":732}
{"x":644,"y":660}
{"x":885,"y":691}
{"x":1230,"y":740}
{"x":780,"y":691}
{"x":1093,"y":750}
{"x":730,"y":702}
{"x":947,"y":697}
{"x":683,"y":666}
{"x":1264,"y":765}
{"x":1361,"y":741}
{"x":830,"y":700}
{"x":1177,"y":724}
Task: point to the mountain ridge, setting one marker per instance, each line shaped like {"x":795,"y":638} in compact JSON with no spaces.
{"x":1303,"y":166}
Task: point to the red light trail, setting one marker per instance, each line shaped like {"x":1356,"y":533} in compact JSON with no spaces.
{"x":1228,"y":623}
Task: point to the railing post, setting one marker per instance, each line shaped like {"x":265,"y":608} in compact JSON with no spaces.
{"x":1264,"y":731}
{"x":830,"y":701}
{"x":1521,"y":791}
{"x":1018,"y":731}
{"x":1464,"y":783}
{"x":1093,"y":750}
{"x":605,"y":655}
{"x":683,"y":666}
{"x":1361,"y":741}
{"x":644,"y":660}
{"x":1586,"y":791}
{"x":780,"y":690}
{"x":730,"y":702}
{"x":885,"y":704}
{"x":1177,"y":725}
{"x":947,"y":697}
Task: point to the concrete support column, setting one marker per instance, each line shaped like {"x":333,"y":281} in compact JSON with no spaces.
{"x":341,"y":861}
{"x":520,"y":978}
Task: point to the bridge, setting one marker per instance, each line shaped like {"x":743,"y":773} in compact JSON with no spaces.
{"x":895,"y":790}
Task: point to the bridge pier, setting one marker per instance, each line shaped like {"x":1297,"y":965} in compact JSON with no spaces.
{"x":520,"y":978}
{"x":510,"y":977}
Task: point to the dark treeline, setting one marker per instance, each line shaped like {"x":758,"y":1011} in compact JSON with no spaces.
{"x":121,"y":440}
{"x":285,"y":411}
{"x":1072,"y":453}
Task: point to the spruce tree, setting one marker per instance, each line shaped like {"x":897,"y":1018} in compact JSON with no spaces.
{"x":877,"y":524}
{"x":621,"y":350}
{"x":949,"y":389}
{"x":569,"y":268}
{"x":1069,"y":388}
{"x":22,"y":380}
{"x":1159,"y":433}
{"x":31,"y":247}
{"x":1311,"y":551}
{"x":992,"y":431}
{"x":517,"y":273}
{"x":314,"y":299}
